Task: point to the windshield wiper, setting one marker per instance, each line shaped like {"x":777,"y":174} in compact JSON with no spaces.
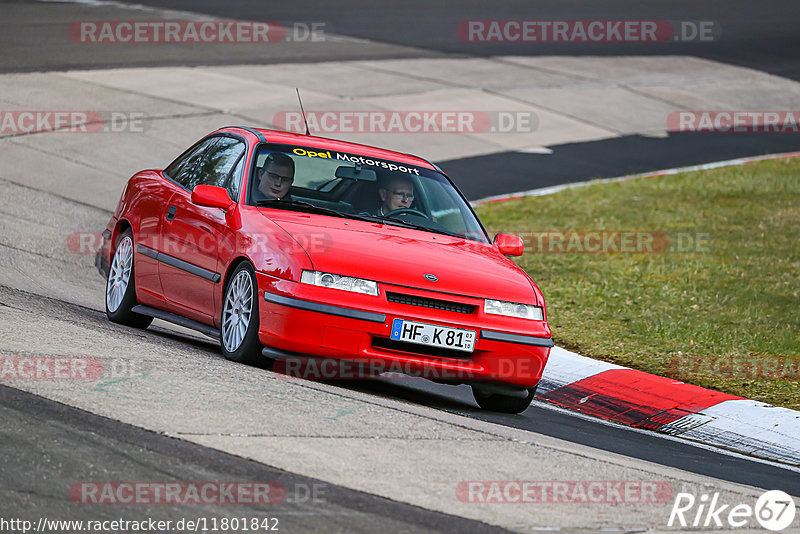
{"x":363,"y":216}
{"x":421,"y":227}
{"x":289,"y":204}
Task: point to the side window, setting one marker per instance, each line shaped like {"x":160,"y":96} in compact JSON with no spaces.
{"x":235,"y":181}
{"x":181,"y":170}
{"x":217,"y":162}
{"x":210,"y":163}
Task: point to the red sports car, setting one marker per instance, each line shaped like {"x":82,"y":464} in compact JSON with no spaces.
{"x":291,"y":246}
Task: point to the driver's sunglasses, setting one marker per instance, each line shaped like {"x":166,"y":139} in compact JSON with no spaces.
{"x":403,"y":195}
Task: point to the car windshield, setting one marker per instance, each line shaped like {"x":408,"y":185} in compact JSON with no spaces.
{"x":346,"y":184}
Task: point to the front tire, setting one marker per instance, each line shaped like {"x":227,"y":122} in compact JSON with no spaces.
{"x":240,"y":321}
{"x":496,"y":402}
{"x":121,"y":286}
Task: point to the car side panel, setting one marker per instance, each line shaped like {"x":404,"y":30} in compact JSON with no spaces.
{"x":141,"y":205}
{"x":191,"y":236}
{"x":251,"y":236}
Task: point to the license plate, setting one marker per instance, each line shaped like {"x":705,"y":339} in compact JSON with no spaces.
{"x":433,"y":335}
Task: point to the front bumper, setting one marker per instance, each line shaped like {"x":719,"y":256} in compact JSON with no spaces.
{"x":303,"y":319}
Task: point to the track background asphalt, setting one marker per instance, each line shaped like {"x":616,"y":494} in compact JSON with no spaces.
{"x":606,"y":158}
{"x":38,"y":432}
{"x":758,"y":35}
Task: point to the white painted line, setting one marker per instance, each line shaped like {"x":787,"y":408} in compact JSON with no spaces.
{"x":542,"y":191}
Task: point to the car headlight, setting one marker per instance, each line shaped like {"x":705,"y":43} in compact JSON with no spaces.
{"x":513,"y":309}
{"x":336,"y":281}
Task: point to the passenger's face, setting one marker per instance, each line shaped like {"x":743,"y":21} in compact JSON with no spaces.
{"x":276,"y":180}
{"x":399,"y":195}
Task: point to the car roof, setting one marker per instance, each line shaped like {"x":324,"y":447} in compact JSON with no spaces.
{"x":275,"y":136}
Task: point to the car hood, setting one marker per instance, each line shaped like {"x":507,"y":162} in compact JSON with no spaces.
{"x":402,"y":256}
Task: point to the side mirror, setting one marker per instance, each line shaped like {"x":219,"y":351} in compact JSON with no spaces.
{"x":212,"y":196}
{"x":509,"y":245}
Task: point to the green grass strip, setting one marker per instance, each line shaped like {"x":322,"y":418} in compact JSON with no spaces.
{"x":707,"y":291}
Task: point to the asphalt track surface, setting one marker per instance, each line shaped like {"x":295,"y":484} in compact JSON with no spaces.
{"x":758,"y":35}
{"x":104,"y":449}
{"x":543,"y":419}
{"x":37,"y":432}
{"x":31,"y":424}
{"x":502,"y":173}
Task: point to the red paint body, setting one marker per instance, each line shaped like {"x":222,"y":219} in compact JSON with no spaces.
{"x":280,"y":244}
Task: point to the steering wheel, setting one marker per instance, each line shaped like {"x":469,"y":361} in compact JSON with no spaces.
{"x":408,"y":211}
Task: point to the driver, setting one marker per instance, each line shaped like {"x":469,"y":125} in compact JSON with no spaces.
{"x":395,"y":193}
{"x":275,"y":177}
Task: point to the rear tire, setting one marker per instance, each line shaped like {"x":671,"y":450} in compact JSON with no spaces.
{"x":240,"y":320}
{"x":121,"y":286}
{"x":496,"y":402}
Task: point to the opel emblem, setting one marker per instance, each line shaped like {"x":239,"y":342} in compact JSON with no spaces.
{"x":431,"y":278}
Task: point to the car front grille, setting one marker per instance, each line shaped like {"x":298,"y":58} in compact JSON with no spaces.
{"x":437,"y":304}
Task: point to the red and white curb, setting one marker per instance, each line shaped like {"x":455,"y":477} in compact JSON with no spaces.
{"x":660,"y":404}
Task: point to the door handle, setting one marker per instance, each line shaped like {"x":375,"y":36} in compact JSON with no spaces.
{"x":171,"y":213}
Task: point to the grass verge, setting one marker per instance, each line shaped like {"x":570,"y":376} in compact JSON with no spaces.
{"x":707,"y":291}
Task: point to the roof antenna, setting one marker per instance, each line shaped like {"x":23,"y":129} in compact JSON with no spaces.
{"x":302,"y":110}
